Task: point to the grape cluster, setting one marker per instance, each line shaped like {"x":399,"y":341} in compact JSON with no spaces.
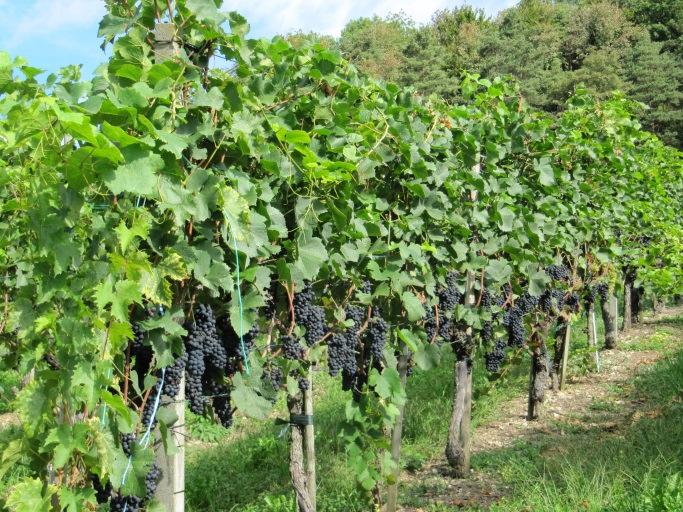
{"x":552,"y":301}
{"x":526,"y":303}
{"x":148,"y":412}
{"x":152,"y":480}
{"x":291,"y":348}
{"x":342,"y":346}
{"x":449,"y":296}
{"x":573,"y":301}
{"x":127,"y":442}
{"x":102,"y":492}
{"x":603,"y":291}
{"x":376,"y":335}
{"x":486,"y":300}
{"x":514,"y":321}
{"x":366,"y":287}
{"x":120,"y":503}
{"x":271,"y":300}
{"x":205,"y":352}
{"x":430,"y":323}
{"x":141,"y":354}
{"x":275,"y":377}
{"x":486,"y":331}
{"x":558,"y":272}
{"x":303,"y":384}
{"x":174,"y":376}
{"x":496,"y":357}
{"x":222,"y":407}
{"x":310,"y":316}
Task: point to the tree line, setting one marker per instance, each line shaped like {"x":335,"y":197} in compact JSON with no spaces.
{"x":549,"y":47}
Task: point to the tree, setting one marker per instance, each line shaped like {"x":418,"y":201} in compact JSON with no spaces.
{"x":655,"y":78}
{"x":376,"y":45}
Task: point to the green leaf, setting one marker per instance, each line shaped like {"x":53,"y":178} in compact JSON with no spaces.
{"x":409,"y":338}
{"x":137,"y":177}
{"x":413,"y":306}
{"x":206,"y":10}
{"x":127,"y":293}
{"x":537,"y":283}
{"x":545,"y":171}
{"x":499,"y":270}
{"x":507,"y":219}
{"x":28,"y":496}
{"x":293,"y":136}
{"x":312,"y":254}
{"x":212,"y":99}
{"x":73,"y":500}
{"x":248,"y":400}
{"x":139,"y":229}
{"x":238,"y":24}
{"x":428,"y":357}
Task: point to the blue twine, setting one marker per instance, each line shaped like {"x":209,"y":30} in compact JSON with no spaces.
{"x":241,"y":304}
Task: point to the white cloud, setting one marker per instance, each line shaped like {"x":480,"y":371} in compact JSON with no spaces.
{"x":47,"y":16}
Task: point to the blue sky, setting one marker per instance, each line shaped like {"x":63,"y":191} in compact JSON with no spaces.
{"x":54,"y":33}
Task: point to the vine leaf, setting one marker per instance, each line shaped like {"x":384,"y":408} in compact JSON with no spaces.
{"x":27,"y":496}
{"x":312,"y":254}
{"x":413,"y":306}
{"x":72,"y":500}
{"x":545,"y":171}
{"x":137,"y":177}
{"x":537,"y":283}
{"x":248,"y":400}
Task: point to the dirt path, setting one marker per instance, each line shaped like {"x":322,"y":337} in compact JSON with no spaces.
{"x":594,"y":400}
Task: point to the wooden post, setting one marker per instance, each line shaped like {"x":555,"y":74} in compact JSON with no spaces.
{"x":297,"y":469}
{"x":615,"y":308}
{"x":165,"y":47}
{"x":397,"y":433}
{"x":609,"y":318}
{"x":593,"y":334}
{"x":627,"y":305}
{"x":309,"y":438}
{"x":171,"y":489}
{"x":565,"y":354}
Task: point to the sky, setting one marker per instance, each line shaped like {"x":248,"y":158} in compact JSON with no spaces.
{"x":52,"y":34}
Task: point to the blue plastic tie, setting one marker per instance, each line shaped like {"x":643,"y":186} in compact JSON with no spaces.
{"x":245,"y":357}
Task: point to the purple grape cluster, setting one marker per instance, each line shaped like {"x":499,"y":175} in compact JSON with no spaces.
{"x":496,"y":357}
{"x":309,"y":315}
{"x":558,"y":273}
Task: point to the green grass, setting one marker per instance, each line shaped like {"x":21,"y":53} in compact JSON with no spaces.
{"x":637,"y":469}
